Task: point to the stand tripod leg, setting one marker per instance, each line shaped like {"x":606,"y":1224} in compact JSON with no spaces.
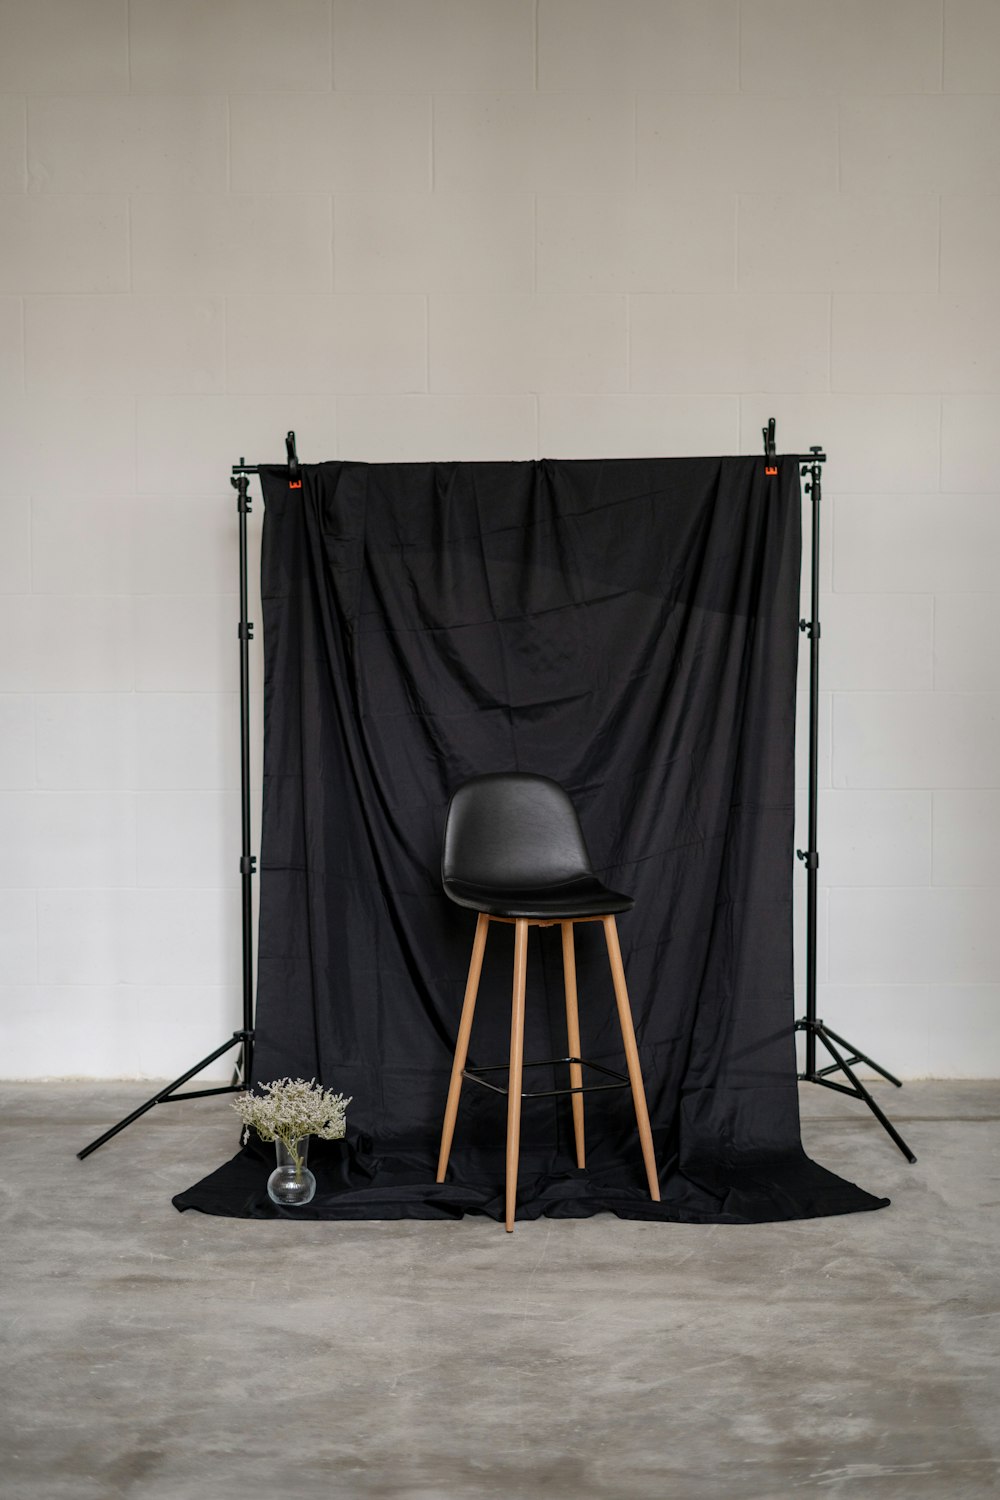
{"x":861,"y":1092}
{"x":859,"y":1056}
{"x":237,"y":1039}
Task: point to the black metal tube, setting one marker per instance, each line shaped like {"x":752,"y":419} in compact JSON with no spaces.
{"x":796,"y":458}
{"x":223,"y":1088}
{"x":246,"y":859}
{"x":812,"y":857}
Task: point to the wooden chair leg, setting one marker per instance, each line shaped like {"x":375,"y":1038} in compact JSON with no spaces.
{"x":631,"y":1054}
{"x":573,"y":1032}
{"x":516,"y":1068}
{"x":462,"y":1044}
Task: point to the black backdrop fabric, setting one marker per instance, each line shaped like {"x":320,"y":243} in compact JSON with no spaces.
{"x":629,"y":628}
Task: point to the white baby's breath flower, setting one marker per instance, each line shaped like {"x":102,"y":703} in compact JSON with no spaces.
{"x":289,"y":1109}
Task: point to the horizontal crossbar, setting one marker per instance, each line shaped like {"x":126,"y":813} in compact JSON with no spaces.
{"x":838,"y":1067}
{"x":548,"y":1062}
{"x":828,"y":1083}
{"x":225,"y":1088}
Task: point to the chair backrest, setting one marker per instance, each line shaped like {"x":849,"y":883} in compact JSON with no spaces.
{"x":510,"y":830}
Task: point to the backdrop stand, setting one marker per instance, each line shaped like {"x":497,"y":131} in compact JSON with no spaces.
{"x":814,"y":1028}
{"x":844,"y":1054}
{"x":244,"y":1038}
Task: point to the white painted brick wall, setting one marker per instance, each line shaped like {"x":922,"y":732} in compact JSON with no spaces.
{"x":483,"y":229}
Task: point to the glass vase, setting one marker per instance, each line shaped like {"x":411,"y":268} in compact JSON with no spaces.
{"x":291,"y":1183}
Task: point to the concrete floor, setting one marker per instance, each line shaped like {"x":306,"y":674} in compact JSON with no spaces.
{"x":163,"y":1356}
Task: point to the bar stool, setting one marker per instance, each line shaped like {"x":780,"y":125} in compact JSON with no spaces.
{"x":514,"y":852}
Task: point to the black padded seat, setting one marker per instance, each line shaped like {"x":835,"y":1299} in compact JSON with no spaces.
{"x":583,"y":897}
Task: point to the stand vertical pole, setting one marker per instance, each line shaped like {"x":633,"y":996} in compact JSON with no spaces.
{"x":811,"y":855}
{"x":248,"y":863}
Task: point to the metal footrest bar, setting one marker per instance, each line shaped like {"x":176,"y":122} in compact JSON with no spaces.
{"x":473,"y":1074}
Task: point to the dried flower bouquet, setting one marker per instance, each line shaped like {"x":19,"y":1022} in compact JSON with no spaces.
{"x":289,"y":1109}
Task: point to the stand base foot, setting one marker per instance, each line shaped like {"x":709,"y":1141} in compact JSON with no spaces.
{"x":241,"y":1039}
{"x":817,"y":1031}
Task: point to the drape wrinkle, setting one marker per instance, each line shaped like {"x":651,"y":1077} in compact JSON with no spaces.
{"x":628,"y":627}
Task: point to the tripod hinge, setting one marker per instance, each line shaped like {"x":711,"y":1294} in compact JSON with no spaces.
{"x":248,"y":864}
{"x":245,"y":632}
{"x":809,"y":858}
{"x":811,"y":628}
